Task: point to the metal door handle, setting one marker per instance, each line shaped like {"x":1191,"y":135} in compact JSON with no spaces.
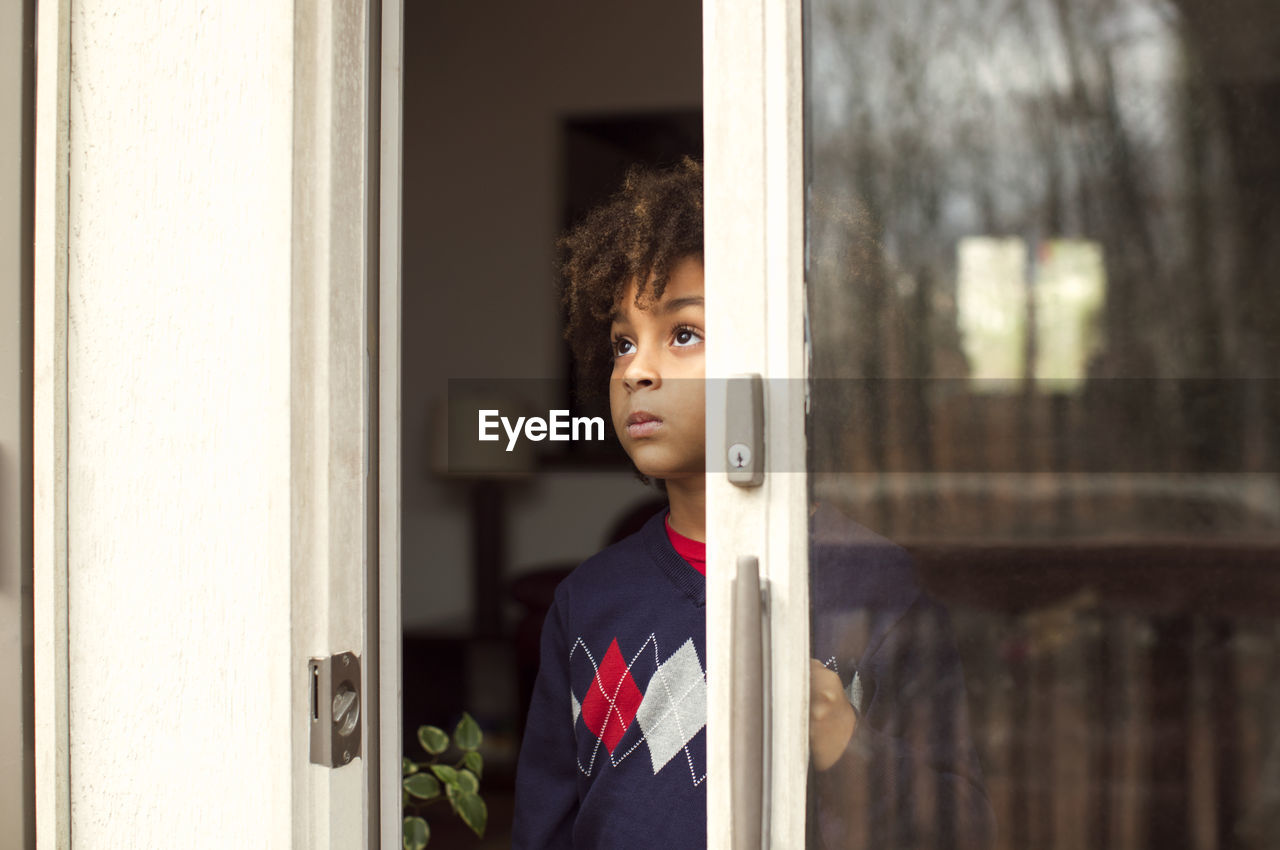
{"x":746,"y":718}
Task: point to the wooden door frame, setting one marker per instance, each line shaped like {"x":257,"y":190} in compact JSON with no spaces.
{"x":754,"y":209}
{"x":388,"y":640}
{"x":329,"y":188}
{"x":49,"y":425}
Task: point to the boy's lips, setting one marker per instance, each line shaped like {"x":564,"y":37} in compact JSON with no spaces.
{"x":642,"y":423}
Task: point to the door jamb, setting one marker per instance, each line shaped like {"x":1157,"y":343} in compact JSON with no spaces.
{"x":51,"y":661}
{"x":754,"y":208}
{"x":389,"y":684}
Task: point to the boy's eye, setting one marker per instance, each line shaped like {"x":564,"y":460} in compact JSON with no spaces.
{"x":619,"y":347}
{"x":687,"y":336}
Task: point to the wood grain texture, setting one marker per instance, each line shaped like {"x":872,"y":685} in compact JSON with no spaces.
{"x":178,"y":424}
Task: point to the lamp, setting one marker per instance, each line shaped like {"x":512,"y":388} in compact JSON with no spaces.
{"x":483,"y":469}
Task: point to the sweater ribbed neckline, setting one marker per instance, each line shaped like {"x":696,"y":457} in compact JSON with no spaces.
{"x":689,"y":581}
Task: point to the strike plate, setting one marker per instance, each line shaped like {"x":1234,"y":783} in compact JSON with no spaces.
{"x":335,"y":709}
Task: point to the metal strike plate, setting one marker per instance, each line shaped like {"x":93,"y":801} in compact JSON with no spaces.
{"x":744,"y":430}
{"x":335,"y":709}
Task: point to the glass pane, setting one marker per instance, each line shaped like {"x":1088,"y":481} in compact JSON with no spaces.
{"x":1044,"y":423}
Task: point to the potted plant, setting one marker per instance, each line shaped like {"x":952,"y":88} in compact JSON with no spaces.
{"x":439,"y":778}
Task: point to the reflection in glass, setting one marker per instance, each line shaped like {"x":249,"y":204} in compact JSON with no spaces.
{"x":1040,"y":266}
{"x":1070,"y":287}
{"x":991,"y":306}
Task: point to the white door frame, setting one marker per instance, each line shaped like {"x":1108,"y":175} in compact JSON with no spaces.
{"x":754,"y":210}
{"x":389,"y":642}
{"x":49,"y":425}
{"x":322,"y":414}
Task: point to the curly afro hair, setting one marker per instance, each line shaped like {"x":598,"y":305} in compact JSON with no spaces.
{"x":640,"y":233}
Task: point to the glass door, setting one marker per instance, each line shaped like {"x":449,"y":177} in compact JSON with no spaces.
{"x":1043,"y":425}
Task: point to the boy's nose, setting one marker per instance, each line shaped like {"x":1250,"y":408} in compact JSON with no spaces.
{"x":640,"y":373}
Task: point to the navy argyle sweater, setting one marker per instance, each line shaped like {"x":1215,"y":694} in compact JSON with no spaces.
{"x":614,"y":754}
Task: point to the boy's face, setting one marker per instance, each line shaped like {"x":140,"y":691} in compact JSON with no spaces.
{"x":656,"y":392}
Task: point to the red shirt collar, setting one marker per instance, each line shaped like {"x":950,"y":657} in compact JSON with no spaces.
{"x":693,"y":551}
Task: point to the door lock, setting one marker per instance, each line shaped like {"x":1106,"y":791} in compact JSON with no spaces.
{"x":335,"y":709}
{"x":744,"y":430}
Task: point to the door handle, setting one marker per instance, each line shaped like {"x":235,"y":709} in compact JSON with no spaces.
{"x":746,"y":718}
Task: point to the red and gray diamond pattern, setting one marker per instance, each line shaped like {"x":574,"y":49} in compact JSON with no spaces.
{"x":670,"y":711}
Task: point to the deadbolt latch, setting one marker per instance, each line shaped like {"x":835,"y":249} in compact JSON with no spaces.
{"x":335,"y":709}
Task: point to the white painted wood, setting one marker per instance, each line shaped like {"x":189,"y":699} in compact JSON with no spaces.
{"x":755,"y":303}
{"x":178,"y":415}
{"x":787,"y":558}
{"x":49,"y":426}
{"x":329,"y":439}
{"x":200,"y":422}
{"x":390,"y":684}
{"x":733,"y":121}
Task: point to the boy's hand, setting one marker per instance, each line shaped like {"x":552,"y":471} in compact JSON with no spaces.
{"x":831,"y":717}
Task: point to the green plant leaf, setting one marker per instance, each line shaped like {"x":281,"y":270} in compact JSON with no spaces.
{"x":422,"y":786}
{"x":467,"y":781}
{"x":446,"y":774}
{"x":452,"y":792}
{"x":416,"y":833}
{"x":433,"y":739}
{"x":408,"y":767}
{"x":474,"y":762}
{"x":467,"y":736}
{"x":473,"y":812}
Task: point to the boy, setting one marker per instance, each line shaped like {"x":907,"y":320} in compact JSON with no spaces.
{"x":614,"y":754}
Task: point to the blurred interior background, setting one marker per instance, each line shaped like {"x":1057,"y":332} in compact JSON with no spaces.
{"x":518,"y":118}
